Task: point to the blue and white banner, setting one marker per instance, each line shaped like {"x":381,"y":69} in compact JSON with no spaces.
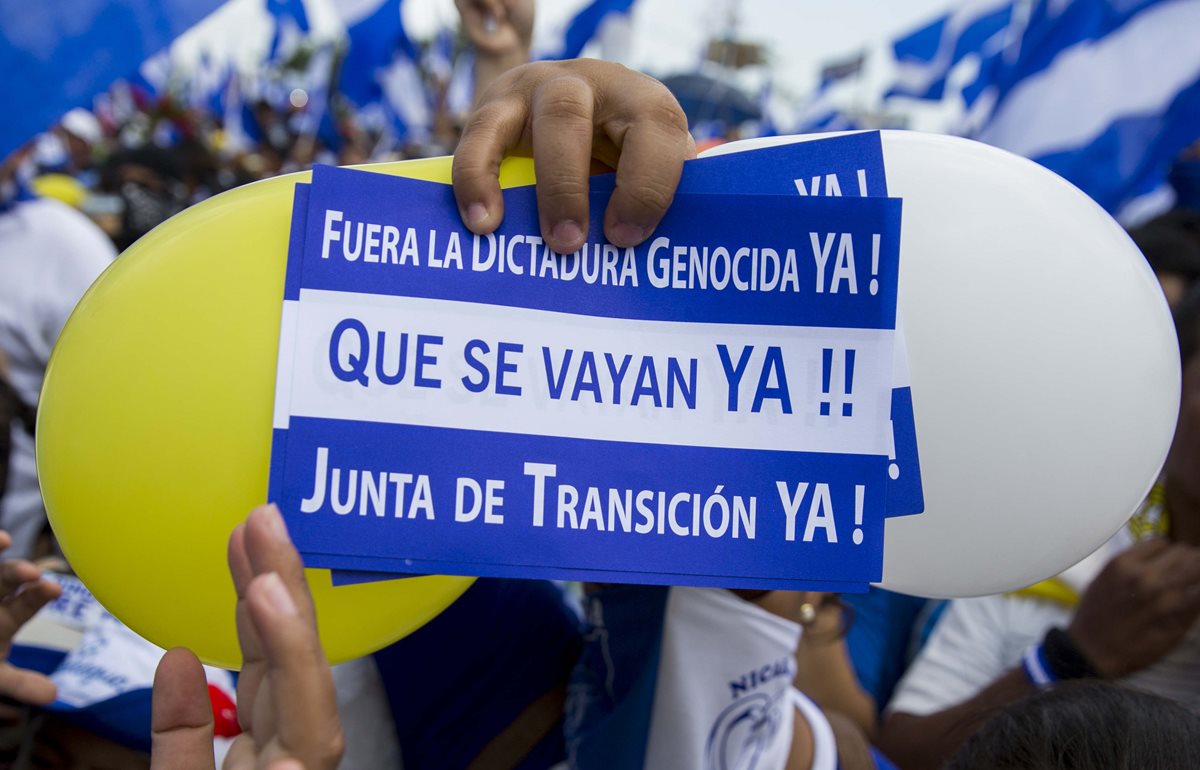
{"x":1105,"y":94}
{"x":711,"y":408}
{"x":291,"y":24}
{"x":925,"y":57}
{"x":599,"y":19}
{"x":59,"y":55}
{"x":380,"y":71}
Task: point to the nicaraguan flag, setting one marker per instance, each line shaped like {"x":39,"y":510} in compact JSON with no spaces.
{"x":58,"y":55}
{"x":207,"y":83}
{"x":460,"y":91}
{"x":439,"y":55}
{"x":840,"y":70}
{"x":589,"y":24}
{"x":291,"y":22}
{"x":380,"y":68}
{"x":1106,"y":94}
{"x":925,"y":57}
{"x":821,"y":113}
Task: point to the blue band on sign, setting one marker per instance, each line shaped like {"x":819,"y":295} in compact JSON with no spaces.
{"x":774,"y":262}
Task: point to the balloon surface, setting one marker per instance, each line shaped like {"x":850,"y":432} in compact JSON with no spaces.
{"x":154,"y":428}
{"x":1045,"y":370}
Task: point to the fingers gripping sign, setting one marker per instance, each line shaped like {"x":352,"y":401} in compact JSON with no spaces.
{"x":286,"y":702}
{"x":568,"y":114}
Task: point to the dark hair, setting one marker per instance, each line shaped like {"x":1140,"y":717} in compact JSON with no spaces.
{"x":1187,"y":324}
{"x":1085,"y":725}
{"x":1171,"y":243}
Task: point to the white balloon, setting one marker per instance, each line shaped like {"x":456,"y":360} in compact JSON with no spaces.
{"x":1045,"y":370}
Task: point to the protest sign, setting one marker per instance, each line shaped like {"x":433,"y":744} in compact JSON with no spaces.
{"x":710,"y":408}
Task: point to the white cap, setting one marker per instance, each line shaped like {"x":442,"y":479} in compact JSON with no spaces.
{"x":82,"y":124}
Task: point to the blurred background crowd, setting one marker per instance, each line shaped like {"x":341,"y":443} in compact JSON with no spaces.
{"x":263,"y":87}
{"x":119,"y":115}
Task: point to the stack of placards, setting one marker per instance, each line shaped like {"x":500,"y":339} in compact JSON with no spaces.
{"x":725,"y":405}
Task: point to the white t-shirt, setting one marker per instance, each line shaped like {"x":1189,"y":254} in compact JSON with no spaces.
{"x":978,"y":640}
{"x":362,"y":705}
{"x":724,"y":697}
{"x":49,"y":255}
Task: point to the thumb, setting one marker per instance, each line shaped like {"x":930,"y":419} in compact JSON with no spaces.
{"x":181,"y":723}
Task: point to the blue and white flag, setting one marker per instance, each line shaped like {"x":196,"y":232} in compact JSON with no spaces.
{"x":380,"y":67}
{"x":154,"y":74}
{"x":836,"y":71}
{"x":291,"y":22}
{"x":207,"y":83}
{"x":60,"y":55}
{"x":592,"y":23}
{"x":407,"y":99}
{"x":460,"y":91}
{"x":1105,"y":94}
{"x":924,"y":58}
{"x":822,"y":112}
{"x":439,"y":55}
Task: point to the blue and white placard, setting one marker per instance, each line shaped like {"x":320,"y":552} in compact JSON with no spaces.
{"x":711,"y":408}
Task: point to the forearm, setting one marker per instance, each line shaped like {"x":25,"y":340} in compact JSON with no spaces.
{"x":489,"y":66}
{"x":825,"y":674}
{"x":926,"y":742}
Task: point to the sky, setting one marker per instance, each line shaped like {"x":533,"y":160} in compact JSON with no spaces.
{"x":667,"y":35}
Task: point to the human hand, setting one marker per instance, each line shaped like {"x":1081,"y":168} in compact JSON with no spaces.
{"x":498,"y":27}
{"x":23,"y":592}
{"x":286,"y":700}
{"x":567,"y":113}
{"x":1139,"y":607}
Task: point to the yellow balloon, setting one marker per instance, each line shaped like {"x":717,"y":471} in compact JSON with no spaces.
{"x":154,"y":428}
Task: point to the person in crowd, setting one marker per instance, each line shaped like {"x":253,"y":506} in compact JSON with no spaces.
{"x":889,"y":629}
{"x":49,"y":254}
{"x":15,"y":414}
{"x":75,"y":685}
{"x":500,"y":33}
{"x":70,"y":146}
{"x":149,"y":182}
{"x":707,"y":678}
{"x":1171,"y":245}
{"x":1085,"y":726}
{"x":1128,"y":613}
{"x":824,"y":669}
{"x":288,"y":717}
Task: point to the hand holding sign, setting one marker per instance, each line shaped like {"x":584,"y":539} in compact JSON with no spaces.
{"x":567,"y":114}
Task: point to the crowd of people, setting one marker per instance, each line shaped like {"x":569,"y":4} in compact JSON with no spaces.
{"x":1098,"y":667}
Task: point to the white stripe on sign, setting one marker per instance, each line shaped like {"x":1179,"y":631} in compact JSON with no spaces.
{"x":284,"y":364}
{"x":1138,"y":69}
{"x":795,"y":388}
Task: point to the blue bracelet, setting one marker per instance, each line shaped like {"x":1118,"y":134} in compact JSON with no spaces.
{"x":1037,"y":669}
